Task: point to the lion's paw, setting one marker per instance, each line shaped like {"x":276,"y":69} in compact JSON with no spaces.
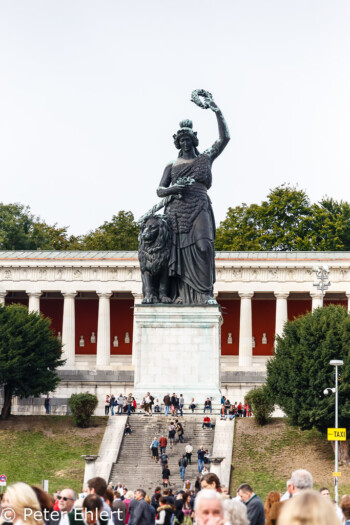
{"x":166,"y":300}
{"x":148,"y":299}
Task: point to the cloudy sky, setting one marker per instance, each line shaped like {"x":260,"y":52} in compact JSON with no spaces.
{"x":91,"y":93}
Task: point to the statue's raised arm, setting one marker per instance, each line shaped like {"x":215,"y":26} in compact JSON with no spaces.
{"x":224,"y":134}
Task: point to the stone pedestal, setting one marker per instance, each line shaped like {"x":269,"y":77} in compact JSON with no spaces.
{"x":90,"y":468}
{"x":215,"y":466}
{"x":177,"y":349}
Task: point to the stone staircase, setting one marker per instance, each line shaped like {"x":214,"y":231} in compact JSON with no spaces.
{"x":135,"y":467}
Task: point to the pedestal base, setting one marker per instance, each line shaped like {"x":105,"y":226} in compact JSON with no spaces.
{"x":177,"y":349}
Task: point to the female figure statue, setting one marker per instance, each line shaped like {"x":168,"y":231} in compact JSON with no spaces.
{"x":192,"y":259}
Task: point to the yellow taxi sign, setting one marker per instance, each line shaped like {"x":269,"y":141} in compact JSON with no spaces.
{"x":336,"y":434}
{"x":336,"y":474}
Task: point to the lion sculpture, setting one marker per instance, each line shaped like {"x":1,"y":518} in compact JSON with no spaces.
{"x":154,"y":251}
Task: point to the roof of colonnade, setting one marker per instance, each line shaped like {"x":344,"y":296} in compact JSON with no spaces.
{"x":115,"y":255}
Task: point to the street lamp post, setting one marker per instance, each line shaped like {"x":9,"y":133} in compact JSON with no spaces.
{"x":322,"y":275}
{"x":335,"y":363}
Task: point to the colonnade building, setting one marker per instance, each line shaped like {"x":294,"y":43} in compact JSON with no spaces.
{"x":89,"y":297}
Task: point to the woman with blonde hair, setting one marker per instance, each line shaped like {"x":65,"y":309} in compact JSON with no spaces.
{"x":21,"y":506}
{"x":308,"y":508}
{"x":128,"y":497}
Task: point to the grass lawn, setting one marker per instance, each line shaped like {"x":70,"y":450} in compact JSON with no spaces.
{"x":266,"y":456}
{"x":33,"y":448}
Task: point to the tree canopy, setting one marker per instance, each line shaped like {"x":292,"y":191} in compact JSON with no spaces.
{"x":120,"y":233}
{"x":29,"y":354}
{"x":300,"y":371}
{"x":21,"y":230}
{"x":286,"y":221}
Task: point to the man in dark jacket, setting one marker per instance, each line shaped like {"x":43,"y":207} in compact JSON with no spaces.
{"x":164,"y":459}
{"x":183,"y":464}
{"x":142,"y":513}
{"x":119,"y":509}
{"x":207,"y":405}
{"x":201,"y":452}
{"x":132,"y":506}
{"x":167,"y":403}
{"x":174,"y":402}
{"x":255,"y":507}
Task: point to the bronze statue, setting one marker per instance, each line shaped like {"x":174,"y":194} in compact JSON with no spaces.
{"x":188,"y":209}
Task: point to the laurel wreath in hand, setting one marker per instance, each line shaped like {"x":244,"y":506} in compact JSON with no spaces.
{"x":196,"y":98}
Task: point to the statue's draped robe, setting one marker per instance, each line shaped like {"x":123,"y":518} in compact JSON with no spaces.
{"x":192,"y":220}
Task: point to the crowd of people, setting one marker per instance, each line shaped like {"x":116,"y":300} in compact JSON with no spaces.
{"x":205,"y":503}
{"x":158,"y":448}
{"x":232,"y":410}
{"x":120,"y":405}
{"x":171,"y":404}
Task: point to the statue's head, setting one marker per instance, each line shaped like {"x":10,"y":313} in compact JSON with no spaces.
{"x":185,"y":131}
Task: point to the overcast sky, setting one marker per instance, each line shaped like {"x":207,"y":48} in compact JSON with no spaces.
{"x":91,"y":93}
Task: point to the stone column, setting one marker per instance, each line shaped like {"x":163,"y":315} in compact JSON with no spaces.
{"x":68,"y":329}
{"x":34,"y":301}
{"x":138,"y":297}
{"x":2,"y":297}
{"x":103,"y":330}
{"x":281,"y":311}
{"x":245,"y":357}
{"x":348,"y":296}
{"x":316,"y":300}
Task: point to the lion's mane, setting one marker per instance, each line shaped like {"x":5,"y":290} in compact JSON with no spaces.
{"x":153,"y":256}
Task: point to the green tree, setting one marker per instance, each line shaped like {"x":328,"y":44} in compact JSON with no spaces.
{"x":300,"y":371}
{"x":286,"y":221}
{"x":282,"y":222}
{"x":259,"y":399}
{"x":46,"y":237}
{"x":120,"y":233}
{"x":21,"y":230}
{"x":29,"y":355}
{"x":240,"y":229}
{"x":82,"y":407}
{"x":330,"y":225}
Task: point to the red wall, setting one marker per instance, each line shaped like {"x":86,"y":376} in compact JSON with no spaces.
{"x":86,"y":316}
{"x":16,"y":301}
{"x":86,"y":312}
{"x":53,"y":308}
{"x":263,"y":314}
{"x":298,"y":307}
{"x":264,"y":319}
{"x":230,"y":314}
{"x":86,"y":319}
{"x":122,"y":315}
{"x":342,"y":302}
